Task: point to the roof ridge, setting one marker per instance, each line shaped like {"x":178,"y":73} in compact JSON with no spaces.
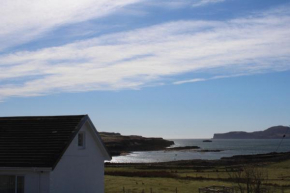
{"x":44,"y":116}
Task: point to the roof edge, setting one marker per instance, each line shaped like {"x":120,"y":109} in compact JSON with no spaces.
{"x":105,"y":150}
{"x":79,"y":126}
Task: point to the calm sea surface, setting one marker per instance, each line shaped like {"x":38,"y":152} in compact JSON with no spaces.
{"x":230,"y":146}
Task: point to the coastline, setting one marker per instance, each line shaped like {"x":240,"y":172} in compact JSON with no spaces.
{"x":119,"y":145}
{"x":225,"y":161}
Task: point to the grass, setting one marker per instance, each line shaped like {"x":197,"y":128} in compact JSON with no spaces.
{"x":137,"y":178}
{"x":158,"y":185}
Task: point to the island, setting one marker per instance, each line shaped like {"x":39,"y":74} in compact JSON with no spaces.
{"x":276,"y":132}
{"x":182,"y":148}
{"x":118,"y":144}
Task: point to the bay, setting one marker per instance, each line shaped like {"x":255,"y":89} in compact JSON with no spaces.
{"x":229,"y":147}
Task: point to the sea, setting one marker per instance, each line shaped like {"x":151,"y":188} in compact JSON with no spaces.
{"x":229,"y":147}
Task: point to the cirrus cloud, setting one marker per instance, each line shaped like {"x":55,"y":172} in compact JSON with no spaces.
{"x":22,"y":21}
{"x":206,"y":2}
{"x":147,"y":56}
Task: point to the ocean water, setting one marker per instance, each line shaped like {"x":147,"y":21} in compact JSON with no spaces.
{"x":230,"y":147}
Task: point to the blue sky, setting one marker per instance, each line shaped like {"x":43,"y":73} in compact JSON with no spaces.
{"x":175,"y":69}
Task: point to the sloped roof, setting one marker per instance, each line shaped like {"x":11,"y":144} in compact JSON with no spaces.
{"x":36,"y":141}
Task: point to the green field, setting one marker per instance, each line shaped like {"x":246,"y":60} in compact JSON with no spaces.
{"x":187,"y":180}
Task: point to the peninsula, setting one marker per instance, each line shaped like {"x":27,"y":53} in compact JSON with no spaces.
{"x":276,"y":132}
{"x":118,"y":144}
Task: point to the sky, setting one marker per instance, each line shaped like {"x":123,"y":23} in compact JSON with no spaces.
{"x":158,"y":68}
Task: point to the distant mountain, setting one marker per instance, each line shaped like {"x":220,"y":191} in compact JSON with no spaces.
{"x":276,"y":132}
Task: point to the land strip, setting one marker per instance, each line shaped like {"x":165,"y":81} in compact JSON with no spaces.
{"x":189,"y":175}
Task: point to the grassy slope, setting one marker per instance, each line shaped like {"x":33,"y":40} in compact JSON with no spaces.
{"x":158,"y":185}
{"x":279,"y":174}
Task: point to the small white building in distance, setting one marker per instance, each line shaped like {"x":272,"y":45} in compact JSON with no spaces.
{"x":51,"y":154}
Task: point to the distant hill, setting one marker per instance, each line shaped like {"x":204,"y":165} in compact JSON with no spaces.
{"x":276,"y":132}
{"x":118,"y":144}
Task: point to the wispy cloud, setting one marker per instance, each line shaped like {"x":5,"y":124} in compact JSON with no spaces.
{"x":172,"y":4}
{"x":22,"y":21}
{"x":142,"y":57}
{"x":190,"y":81}
{"x":200,"y":3}
{"x":212,"y":78}
{"x":175,"y":4}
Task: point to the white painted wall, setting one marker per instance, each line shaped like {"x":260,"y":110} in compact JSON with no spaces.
{"x":34,"y":182}
{"x":80,"y":170}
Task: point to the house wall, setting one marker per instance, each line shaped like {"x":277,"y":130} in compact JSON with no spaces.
{"x":34,"y":182}
{"x":80,"y":170}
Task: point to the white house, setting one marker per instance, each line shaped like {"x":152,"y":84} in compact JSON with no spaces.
{"x":51,"y":154}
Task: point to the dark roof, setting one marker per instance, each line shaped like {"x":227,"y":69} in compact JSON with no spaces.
{"x":36,"y":141}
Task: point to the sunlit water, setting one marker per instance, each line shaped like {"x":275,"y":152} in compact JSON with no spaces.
{"x":230,"y":147}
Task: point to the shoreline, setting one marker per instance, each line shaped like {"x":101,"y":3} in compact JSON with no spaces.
{"x":119,"y":145}
{"x":224,"y":161}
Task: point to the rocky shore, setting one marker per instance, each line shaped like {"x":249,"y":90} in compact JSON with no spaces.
{"x":191,"y":148}
{"x":182,"y":148}
{"x":118,"y":144}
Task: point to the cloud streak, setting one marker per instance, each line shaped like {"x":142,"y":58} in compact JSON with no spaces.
{"x":206,"y":2}
{"x":147,"y":56}
{"x":22,"y":21}
{"x":190,"y":81}
{"x":207,"y":79}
